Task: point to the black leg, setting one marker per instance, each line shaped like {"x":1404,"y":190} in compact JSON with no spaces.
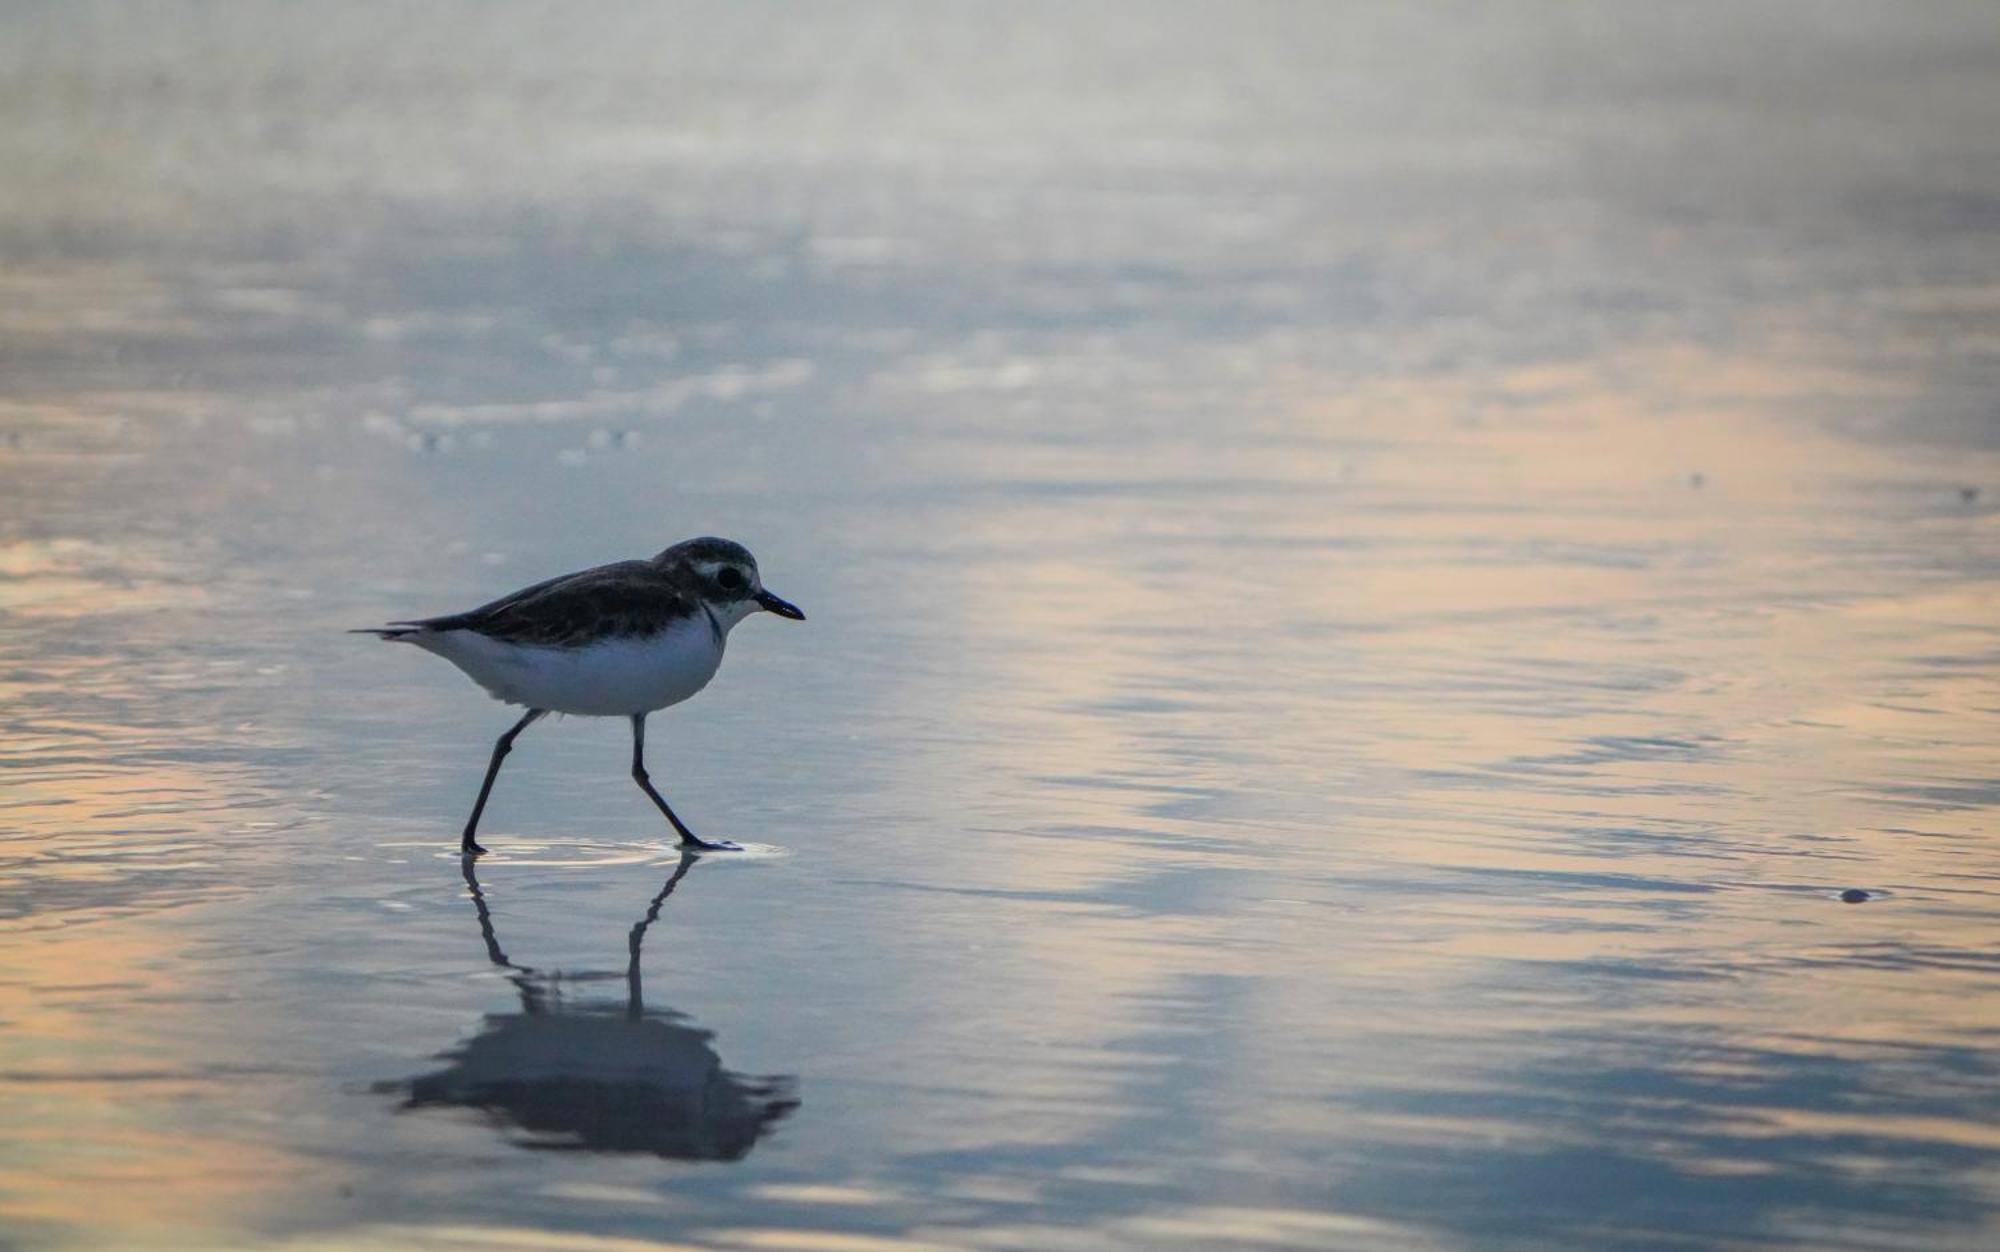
{"x":688,"y":838}
{"x":500,"y":751}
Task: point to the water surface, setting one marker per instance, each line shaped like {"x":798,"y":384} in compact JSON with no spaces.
{"x":1373,"y":576}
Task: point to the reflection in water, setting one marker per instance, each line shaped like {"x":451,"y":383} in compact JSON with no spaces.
{"x":603,"y":1077}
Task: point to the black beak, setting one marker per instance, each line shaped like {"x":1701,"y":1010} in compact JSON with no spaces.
{"x":783,"y":608}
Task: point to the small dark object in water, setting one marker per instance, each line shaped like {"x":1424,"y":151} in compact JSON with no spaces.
{"x":1968,"y":494}
{"x":1697,"y":479}
{"x":1853,"y":895}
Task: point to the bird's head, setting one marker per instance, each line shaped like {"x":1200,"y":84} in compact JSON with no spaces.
{"x":723,"y":575}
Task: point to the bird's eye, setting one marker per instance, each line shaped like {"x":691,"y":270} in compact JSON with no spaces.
{"x":729,"y":578}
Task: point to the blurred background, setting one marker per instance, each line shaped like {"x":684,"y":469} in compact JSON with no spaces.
{"x":1373,"y":574}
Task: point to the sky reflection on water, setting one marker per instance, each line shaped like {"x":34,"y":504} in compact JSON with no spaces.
{"x":1373,"y":576}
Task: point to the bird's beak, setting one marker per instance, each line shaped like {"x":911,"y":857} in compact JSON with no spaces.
{"x":783,"y":608}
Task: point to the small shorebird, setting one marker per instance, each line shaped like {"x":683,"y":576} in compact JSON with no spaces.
{"x":620,"y":640}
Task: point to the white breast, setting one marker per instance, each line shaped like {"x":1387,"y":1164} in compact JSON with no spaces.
{"x":611,"y":678}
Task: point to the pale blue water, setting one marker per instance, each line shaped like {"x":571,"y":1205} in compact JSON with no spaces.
{"x":1372,"y":576}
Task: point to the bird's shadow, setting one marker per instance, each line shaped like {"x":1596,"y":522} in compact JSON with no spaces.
{"x":600,"y":1076}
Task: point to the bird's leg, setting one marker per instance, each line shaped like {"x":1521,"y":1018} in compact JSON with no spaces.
{"x":500,"y":751}
{"x":688,"y":838}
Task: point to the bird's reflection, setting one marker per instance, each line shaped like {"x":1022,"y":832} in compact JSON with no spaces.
{"x":604,"y":1077}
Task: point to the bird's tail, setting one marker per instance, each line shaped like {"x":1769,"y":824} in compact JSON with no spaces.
{"x":391,"y":633}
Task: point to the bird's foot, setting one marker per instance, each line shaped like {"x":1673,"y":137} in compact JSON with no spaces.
{"x":696,"y":843}
{"x":469,"y":848}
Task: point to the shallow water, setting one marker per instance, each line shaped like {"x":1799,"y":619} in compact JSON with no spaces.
{"x":1372,"y":579}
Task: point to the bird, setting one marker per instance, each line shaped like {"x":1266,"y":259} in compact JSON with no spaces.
{"x":619,"y":640}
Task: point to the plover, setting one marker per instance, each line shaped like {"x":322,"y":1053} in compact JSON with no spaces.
{"x":620,"y":640}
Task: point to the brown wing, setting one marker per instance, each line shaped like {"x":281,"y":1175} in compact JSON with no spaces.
{"x":625,"y":598}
